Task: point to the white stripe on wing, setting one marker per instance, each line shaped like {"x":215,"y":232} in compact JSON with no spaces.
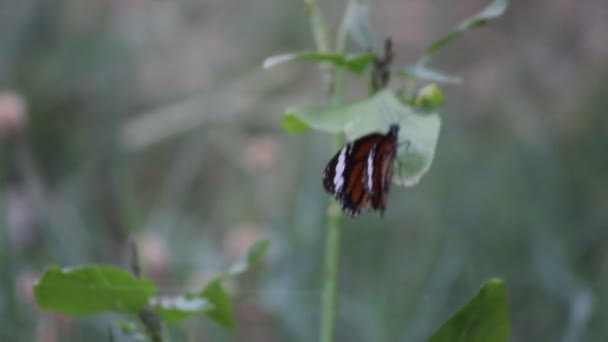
{"x":340,"y":166}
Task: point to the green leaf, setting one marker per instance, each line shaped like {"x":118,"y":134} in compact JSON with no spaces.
{"x":249,"y":258}
{"x":91,"y":290}
{"x":221,"y":310}
{"x":418,"y":134}
{"x":424,"y":73}
{"x":292,"y":124}
{"x":358,"y":26}
{"x":318,"y":25}
{"x":429,"y":98}
{"x":356,"y":63}
{"x":485,"y":318}
{"x":131,"y":329}
{"x":176,"y":308}
{"x":493,"y":10}
{"x":213,"y":300}
{"x":127,"y":327}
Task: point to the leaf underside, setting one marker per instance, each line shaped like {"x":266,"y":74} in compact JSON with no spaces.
{"x":418,"y":133}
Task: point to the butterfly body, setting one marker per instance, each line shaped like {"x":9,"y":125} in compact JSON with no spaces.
{"x":359,"y":175}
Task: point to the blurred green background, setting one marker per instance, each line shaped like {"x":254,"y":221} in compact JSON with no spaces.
{"x":154,"y":119}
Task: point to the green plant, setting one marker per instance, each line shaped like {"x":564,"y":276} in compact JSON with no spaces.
{"x":415,"y":112}
{"x":96,"y":289}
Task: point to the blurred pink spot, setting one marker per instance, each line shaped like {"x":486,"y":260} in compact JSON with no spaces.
{"x":154,"y":255}
{"x":12,"y":114}
{"x":241,"y":237}
{"x":261,"y":152}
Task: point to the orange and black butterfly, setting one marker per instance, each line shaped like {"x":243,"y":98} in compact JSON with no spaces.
{"x":359,"y":175}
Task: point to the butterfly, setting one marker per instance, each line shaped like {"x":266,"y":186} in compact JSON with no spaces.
{"x":359,"y":175}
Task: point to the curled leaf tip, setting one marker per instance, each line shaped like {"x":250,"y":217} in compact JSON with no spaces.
{"x":429,"y":97}
{"x":278,"y":59}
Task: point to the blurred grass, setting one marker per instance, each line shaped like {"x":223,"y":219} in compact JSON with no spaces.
{"x":517,"y":190}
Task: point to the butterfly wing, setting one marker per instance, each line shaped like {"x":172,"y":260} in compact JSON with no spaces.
{"x":382,"y":171}
{"x":344,"y":173}
{"x":355,"y":197}
{"x":359,"y":175}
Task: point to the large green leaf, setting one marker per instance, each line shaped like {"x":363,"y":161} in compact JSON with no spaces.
{"x":485,"y":318}
{"x":91,"y":290}
{"x":176,"y":308}
{"x":494,"y":10}
{"x":355,"y":63}
{"x":418,"y":134}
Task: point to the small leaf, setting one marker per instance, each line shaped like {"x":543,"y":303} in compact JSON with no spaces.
{"x":127,"y":327}
{"x":418,"y":134}
{"x":318,"y":25}
{"x":293,"y":124}
{"x":131,"y":329}
{"x":92,"y":290}
{"x":333,"y":58}
{"x":177,"y":308}
{"x":423,"y":73}
{"x":249,"y":258}
{"x":358,"y":63}
{"x":221,"y":310}
{"x":429,"y":98}
{"x":485,"y":318}
{"x":358,"y":26}
{"x":355,"y":64}
{"x":218,"y":306}
{"x":272,"y":61}
{"x":493,"y":10}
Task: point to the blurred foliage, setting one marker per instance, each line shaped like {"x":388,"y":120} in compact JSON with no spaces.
{"x":153,"y":119}
{"x":485,"y":318}
{"x":94,"y":289}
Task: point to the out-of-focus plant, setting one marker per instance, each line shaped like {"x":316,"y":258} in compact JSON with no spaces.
{"x":484,"y":318}
{"x":96,"y":289}
{"x":416,"y":112}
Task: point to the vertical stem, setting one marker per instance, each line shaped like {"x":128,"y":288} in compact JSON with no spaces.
{"x":329,"y":297}
{"x":150,"y":321}
{"x":337,"y":90}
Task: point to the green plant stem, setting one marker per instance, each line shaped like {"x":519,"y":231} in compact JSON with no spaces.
{"x":337,"y":91}
{"x":153,"y":326}
{"x":329,"y":297}
{"x":150,"y":321}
